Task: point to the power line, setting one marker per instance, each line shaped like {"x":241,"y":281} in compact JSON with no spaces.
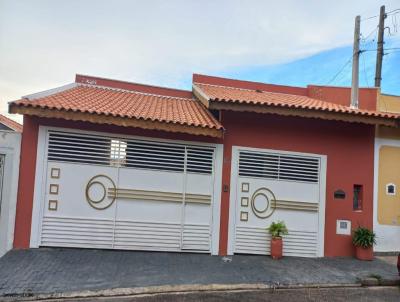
{"x":373,"y":31}
{"x":365,"y":72}
{"x":388,"y":53}
{"x":393,"y":48}
{"x":396,"y":11}
{"x":341,"y":69}
{"x":365,"y":19}
{"x":364,"y":40}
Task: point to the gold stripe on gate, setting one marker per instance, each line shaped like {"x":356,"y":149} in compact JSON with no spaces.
{"x":158,"y":196}
{"x":296,"y":205}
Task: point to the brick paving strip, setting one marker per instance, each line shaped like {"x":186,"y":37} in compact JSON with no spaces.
{"x":44,"y":273}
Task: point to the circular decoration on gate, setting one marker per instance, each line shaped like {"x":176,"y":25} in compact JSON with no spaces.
{"x":96,"y":192}
{"x":263,"y":203}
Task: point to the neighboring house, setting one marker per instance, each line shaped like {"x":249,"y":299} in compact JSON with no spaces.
{"x":118,"y":165}
{"x":9,"y":124}
{"x":10,"y":140}
{"x":387,"y":180}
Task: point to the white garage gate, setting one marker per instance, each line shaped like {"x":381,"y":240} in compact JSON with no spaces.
{"x":105,"y":191}
{"x":270,"y":185}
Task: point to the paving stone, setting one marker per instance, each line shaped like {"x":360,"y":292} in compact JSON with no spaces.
{"x":64,"y":270}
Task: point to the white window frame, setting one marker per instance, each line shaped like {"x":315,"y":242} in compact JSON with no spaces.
{"x":387,"y":189}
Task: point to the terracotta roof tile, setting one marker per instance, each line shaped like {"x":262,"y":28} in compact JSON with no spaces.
{"x":127,"y":104}
{"x":10,"y":123}
{"x":227,"y":94}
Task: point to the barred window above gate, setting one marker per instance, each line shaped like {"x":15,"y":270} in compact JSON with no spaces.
{"x":140,"y":154}
{"x":148,"y":155}
{"x":279,"y":166}
{"x":77,"y":148}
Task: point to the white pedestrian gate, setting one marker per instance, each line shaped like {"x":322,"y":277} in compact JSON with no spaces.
{"x":272,"y":186}
{"x":124,"y":193}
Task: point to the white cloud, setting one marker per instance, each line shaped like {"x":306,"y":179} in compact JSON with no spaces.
{"x":44,"y":43}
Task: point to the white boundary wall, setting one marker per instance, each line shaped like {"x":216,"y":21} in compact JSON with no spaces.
{"x":10,"y":143}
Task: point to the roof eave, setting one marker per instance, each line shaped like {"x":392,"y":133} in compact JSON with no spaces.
{"x":115,"y":120}
{"x":13,"y":125}
{"x":201,"y":95}
{"x":306,"y":113}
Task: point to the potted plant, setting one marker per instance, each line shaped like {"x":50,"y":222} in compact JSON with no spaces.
{"x":364,"y":240}
{"x":277,"y":229}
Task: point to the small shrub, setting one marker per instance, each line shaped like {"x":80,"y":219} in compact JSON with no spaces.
{"x":363,"y":237}
{"x":277,"y":229}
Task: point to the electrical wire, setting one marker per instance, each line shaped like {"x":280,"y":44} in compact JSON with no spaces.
{"x":364,"y":69}
{"x":393,"y":51}
{"x":364,"y":41}
{"x":365,"y":19}
{"x":396,"y":11}
{"x":375,"y":30}
{"x":390,"y":48}
{"x":340,"y":70}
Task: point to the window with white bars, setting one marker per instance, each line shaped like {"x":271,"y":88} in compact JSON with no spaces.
{"x":199,"y":160}
{"x":152,"y":155}
{"x":279,"y":166}
{"x":140,"y":154}
{"x":76,"y":148}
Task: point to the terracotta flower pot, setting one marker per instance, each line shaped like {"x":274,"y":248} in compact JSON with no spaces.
{"x":276,"y":248}
{"x":364,"y":253}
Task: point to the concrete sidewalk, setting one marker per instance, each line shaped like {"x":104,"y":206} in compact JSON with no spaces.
{"x":49,"y":271}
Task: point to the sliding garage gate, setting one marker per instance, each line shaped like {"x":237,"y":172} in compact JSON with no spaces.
{"x":118,"y":193}
{"x":273,"y":186}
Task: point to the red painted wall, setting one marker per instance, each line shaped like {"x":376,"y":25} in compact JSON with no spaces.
{"x":337,"y":95}
{"x":350,"y":157}
{"x":26,"y":183}
{"x":199,"y":78}
{"x":342,"y":95}
{"x":83,"y":79}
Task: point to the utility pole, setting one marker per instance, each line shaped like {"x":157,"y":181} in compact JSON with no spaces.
{"x":356,"y":57}
{"x":379,"y":53}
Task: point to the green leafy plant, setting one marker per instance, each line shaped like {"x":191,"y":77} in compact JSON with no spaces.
{"x":277,"y":229}
{"x":363,"y":237}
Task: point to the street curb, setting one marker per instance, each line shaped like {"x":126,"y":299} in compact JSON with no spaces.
{"x":166,"y":289}
{"x":377,"y":281}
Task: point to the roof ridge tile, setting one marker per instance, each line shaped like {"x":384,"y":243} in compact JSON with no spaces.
{"x":133,"y":91}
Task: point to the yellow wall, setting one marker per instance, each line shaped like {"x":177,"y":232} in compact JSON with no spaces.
{"x":388,"y":103}
{"x":389,"y":172}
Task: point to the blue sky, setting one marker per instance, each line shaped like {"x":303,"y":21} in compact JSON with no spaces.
{"x":323,"y":67}
{"x":44,"y":43}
